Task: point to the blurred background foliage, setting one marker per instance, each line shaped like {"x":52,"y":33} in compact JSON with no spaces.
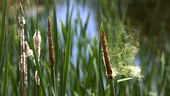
{"x":143,"y":23}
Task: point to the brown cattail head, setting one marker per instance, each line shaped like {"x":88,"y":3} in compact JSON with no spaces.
{"x":50,"y":40}
{"x":106,"y":55}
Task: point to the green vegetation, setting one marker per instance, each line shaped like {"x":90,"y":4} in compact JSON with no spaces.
{"x":87,"y":75}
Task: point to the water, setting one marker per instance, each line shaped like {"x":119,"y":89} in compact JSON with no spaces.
{"x":83,"y":13}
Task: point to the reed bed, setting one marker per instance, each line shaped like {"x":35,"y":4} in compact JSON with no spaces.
{"x":37,"y":59}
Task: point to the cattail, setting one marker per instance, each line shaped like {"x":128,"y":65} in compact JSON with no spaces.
{"x":28,"y":50}
{"x":37,"y":80}
{"x":106,"y":55}
{"x":50,"y":40}
{"x":37,"y":42}
{"x":21,"y":42}
{"x":23,"y":63}
{"x":25,"y":68}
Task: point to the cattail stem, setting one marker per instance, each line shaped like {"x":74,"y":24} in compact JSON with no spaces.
{"x":37,"y":34}
{"x":107,"y":62}
{"x":23,"y":67}
{"x":51,"y":54}
{"x":21,"y":51}
{"x":112,"y":87}
{"x":38,"y":89}
{"x":52,"y":77}
{"x":24,"y":57}
{"x":37,"y":41}
{"x":19,"y":32}
{"x":20,"y":46}
{"x":35,"y":85}
{"x":37,"y":14}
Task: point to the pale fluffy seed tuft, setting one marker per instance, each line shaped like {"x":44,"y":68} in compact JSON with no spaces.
{"x":37,"y":80}
{"x":37,"y":42}
{"x":28,"y":51}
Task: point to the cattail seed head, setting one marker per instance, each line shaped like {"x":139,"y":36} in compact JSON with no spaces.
{"x":37,"y":42}
{"x":50,"y":40}
{"x":37,"y":80}
{"x":25,"y":68}
{"x":28,"y":50}
{"x":21,"y":21}
{"x":106,"y":55}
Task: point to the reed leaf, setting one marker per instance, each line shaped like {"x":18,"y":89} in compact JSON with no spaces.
{"x":5,"y":74}
{"x":67,"y":60}
{"x":2,"y":33}
{"x":56,"y":44}
{"x":88,"y":80}
{"x":101,"y":86}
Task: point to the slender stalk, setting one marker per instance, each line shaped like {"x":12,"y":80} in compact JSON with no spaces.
{"x":37,"y":55}
{"x":24,"y":59}
{"x":52,"y":76}
{"x":112,"y":87}
{"x":37,"y":15}
{"x":35,"y":87}
{"x":21,"y":50}
{"x":37,"y":83}
{"x":38,"y":90}
{"x":20,"y":46}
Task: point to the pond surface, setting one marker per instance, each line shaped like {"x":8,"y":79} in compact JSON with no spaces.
{"x":78,"y":11}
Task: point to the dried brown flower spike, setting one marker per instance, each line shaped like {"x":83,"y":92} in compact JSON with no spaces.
{"x":50,"y":40}
{"x":106,"y":55}
{"x":51,"y":54}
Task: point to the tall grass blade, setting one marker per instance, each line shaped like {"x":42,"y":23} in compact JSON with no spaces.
{"x":13,"y":81}
{"x":47,"y":6}
{"x":2,"y":33}
{"x":67,"y":60}
{"x":64,"y":31}
{"x":89,"y":74}
{"x":87,"y":20}
{"x":124,"y":79}
{"x":67,"y":15}
{"x":61,"y":72}
{"x":101,"y":86}
{"x":5,"y":75}
{"x":108,"y":91}
{"x":56,"y":45}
